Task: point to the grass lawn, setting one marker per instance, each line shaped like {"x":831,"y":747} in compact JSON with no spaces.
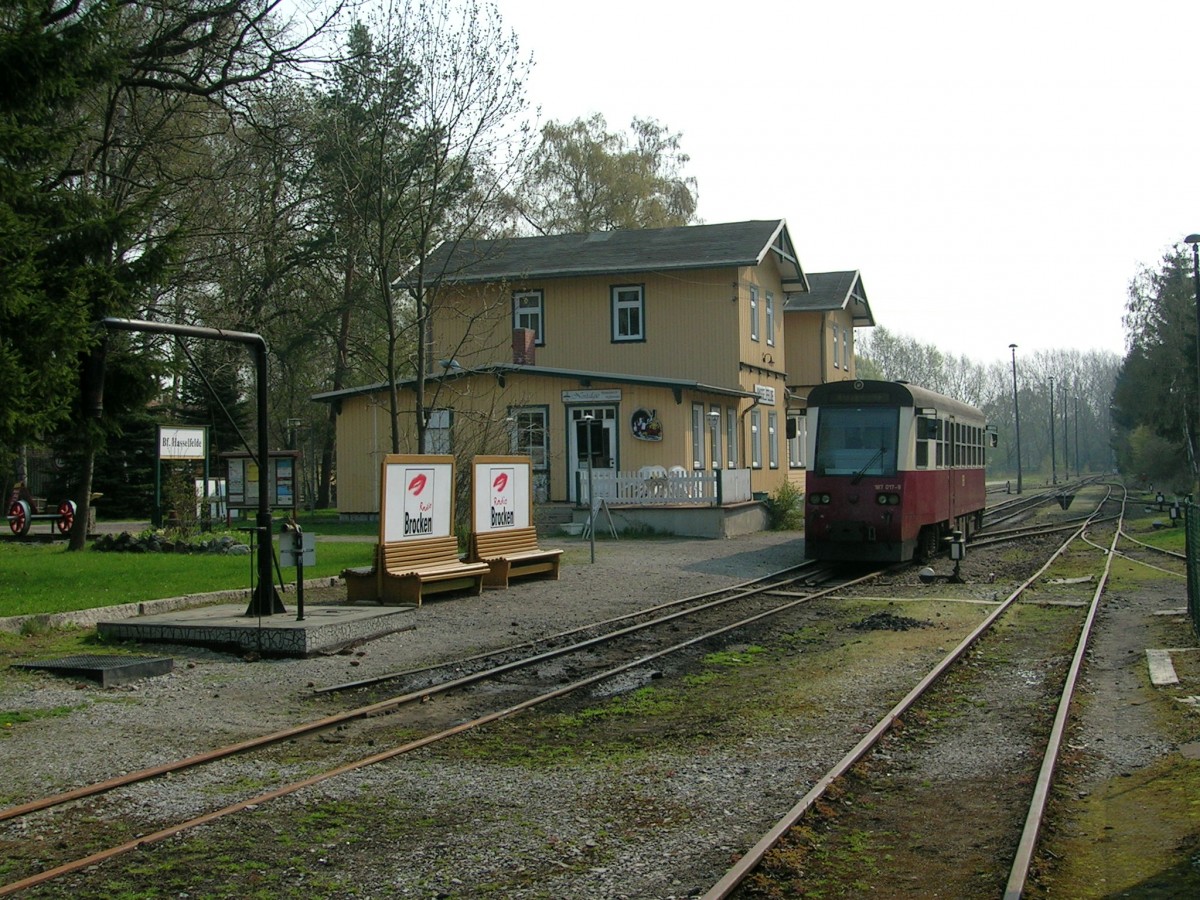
{"x":46,"y":578}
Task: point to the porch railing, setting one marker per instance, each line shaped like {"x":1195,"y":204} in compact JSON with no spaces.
{"x":675,"y":488}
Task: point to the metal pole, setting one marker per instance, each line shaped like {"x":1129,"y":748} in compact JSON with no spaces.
{"x":1077,"y":470}
{"x":588,"y":419}
{"x":1066,"y":448}
{"x":1053,"y":449}
{"x":1194,"y":240}
{"x":1016,"y":413}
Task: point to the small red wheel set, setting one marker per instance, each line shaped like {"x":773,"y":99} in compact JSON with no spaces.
{"x":22,"y":513}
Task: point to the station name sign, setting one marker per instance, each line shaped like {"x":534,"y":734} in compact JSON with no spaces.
{"x":182,"y":443}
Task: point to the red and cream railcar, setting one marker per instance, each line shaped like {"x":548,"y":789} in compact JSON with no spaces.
{"x":893,"y":469}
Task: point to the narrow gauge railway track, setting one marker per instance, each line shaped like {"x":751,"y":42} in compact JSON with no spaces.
{"x":1025,"y":504}
{"x":798,"y":581}
{"x":733,"y":608}
{"x":931,"y":844}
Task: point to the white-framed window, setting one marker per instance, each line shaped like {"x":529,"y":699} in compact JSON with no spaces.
{"x":714,"y":430}
{"x":697,"y":435}
{"x":529,"y":312}
{"x":731,"y":437}
{"x":770,"y":323}
{"x":846,"y":348}
{"x":755,"y":439}
{"x":437,"y":432}
{"x":773,"y":439}
{"x":753,"y":313}
{"x":531,"y":436}
{"x":798,"y":434}
{"x":628,"y":312}
{"x":836,"y":345}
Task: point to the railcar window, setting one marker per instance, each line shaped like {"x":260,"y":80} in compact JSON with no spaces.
{"x":856,"y":441}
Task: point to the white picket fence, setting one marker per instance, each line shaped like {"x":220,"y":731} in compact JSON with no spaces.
{"x":678,"y":487}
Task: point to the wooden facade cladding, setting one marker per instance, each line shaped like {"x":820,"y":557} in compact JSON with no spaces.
{"x":691,"y":323}
{"x":481,"y":408}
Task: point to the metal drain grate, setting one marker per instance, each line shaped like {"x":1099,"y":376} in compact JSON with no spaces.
{"x":108,"y":670}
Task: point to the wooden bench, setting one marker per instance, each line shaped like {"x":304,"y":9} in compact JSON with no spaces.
{"x":510,"y":553}
{"x":404,"y":571}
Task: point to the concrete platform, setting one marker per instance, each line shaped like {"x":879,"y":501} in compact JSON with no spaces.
{"x":326,"y":627}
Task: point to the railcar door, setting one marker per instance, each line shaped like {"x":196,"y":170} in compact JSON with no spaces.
{"x":952,"y":463}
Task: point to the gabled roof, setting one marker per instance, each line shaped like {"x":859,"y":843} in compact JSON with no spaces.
{"x":833,"y":290}
{"x":620,"y":252}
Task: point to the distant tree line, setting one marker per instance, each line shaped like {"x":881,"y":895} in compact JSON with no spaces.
{"x":1155,"y":405}
{"x":1083,"y":426}
{"x":284,"y":169}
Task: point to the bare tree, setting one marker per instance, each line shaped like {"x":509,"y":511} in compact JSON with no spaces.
{"x":586,"y":178}
{"x":429,"y":136}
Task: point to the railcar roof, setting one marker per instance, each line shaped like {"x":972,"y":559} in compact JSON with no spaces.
{"x":887,"y":393}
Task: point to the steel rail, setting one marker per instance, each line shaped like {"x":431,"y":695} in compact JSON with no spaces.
{"x":754,"y":856}
{"x":1163,"y":550}
{"x":753,"y":585}
{"x":390,"y":703}
{"x":393,"y":752}
{"x":1019,"y":872}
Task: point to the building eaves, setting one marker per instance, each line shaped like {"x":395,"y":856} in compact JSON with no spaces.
{"x":584,"y":378}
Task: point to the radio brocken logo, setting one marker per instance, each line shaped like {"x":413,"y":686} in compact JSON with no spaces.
{"x":418,"y":510}
{"x":502,"y":501}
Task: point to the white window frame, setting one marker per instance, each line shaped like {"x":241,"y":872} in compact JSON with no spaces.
{"x":525,"y":429}
{"x":770,"y":323}
{"x":628,"y":299}
{"x":731,"y":435}
{"x":796,"y":444}
{"x":714,"y":428}
{"x":698,"y":436}
{"x":755,"y":439}
{"x":438,"y":431}
{"x":836,"y":346}
{"x":533,"y":318}
{"x":846,"y":348}
{"x":753,"y":312}
{"x":773,"y":439}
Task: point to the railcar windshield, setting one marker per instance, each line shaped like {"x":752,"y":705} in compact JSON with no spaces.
{"x":856,"y":441}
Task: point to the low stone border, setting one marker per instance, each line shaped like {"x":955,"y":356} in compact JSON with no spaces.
{"x":87,"y":618}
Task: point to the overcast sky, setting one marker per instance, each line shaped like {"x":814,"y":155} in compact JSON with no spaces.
{"x":997,"y":172}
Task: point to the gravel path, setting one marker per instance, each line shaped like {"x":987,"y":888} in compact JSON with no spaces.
{"x":663,"y":826}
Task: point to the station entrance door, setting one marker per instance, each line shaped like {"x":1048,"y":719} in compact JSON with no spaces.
{"x":600,"y":434}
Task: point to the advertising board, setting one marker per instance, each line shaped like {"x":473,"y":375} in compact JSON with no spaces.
{"x":418,"y":497}
{"x":501,"y":493}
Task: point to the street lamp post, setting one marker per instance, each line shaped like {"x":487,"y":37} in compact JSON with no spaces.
{"x":1053,"y":449}
{"x":587,"y":420}
{"x":1194,"y":240}
{"x":1078,"y":472}
{"x":1016,"y":413}
{"x":1066,"y":442}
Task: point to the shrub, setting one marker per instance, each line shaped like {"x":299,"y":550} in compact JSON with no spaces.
{"x":785,"y":508}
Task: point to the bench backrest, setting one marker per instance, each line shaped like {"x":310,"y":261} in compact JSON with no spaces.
{"x":434,"y":551}
{"x":497,"y":543}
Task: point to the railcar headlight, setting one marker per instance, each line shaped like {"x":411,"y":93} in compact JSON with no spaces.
{"x":818,"y":499}
{"x":887,"y":499}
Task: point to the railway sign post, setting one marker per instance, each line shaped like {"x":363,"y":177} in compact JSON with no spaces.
{"x":265,"y":599}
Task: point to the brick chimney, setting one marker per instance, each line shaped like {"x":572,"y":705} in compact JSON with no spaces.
{"x":524,"y":342}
